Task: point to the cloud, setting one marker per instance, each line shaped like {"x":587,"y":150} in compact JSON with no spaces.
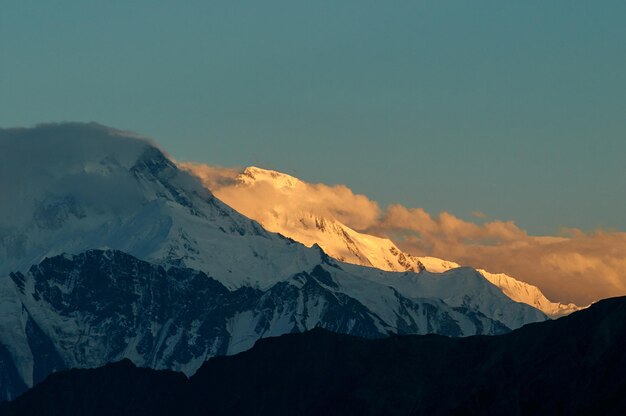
{"x":479,"y":214}
{"x":64,"y":159}
{"x":263,"y":200}
{"x":572,"y":266}
{"x":213,"y":177}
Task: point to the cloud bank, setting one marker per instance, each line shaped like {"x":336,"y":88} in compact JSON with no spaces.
{"x":262,"y":200}
{"x":59,"y":160}
{"x":572,"y":266}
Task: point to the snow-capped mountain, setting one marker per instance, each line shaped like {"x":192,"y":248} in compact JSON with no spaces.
{"x":178,"y":275}
{"x":80,"y":187}
{"x":345,"y":244}
{"x":76,"y":311}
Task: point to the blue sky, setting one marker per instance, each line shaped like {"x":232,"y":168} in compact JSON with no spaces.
{"x":515,"y":109}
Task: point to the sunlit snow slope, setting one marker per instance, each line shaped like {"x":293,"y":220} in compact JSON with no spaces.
{"x":346,"y":244}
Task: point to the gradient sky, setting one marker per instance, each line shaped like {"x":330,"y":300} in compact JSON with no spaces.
{"x":515,"y":109}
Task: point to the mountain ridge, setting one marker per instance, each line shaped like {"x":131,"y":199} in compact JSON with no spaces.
{"x":103,"y":305}
{"x":348,"y":245}
{"x":572,"y":365}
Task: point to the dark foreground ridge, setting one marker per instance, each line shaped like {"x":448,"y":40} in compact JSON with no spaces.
{"x":574,"y":365}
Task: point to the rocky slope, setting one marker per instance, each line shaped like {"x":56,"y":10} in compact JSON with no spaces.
{"x":573,"y":365}
{"x":103,"y":305}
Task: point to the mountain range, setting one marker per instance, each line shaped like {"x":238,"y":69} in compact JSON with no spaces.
{"x":109,"y":251}
{"x":573,"y":365}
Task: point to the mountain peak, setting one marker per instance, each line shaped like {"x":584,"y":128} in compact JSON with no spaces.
{"x":314,"y":222}
{"x":253,"y":174}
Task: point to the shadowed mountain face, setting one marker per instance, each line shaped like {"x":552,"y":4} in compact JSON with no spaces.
{"x":102,"y":306}
{"x":574,"y":365}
